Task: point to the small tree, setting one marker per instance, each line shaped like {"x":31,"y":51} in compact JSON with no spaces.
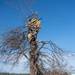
{"x":43,"y":56}
{"x":39,"y":54}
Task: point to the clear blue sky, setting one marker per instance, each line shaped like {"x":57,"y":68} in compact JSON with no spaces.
{"x":58,"y":23}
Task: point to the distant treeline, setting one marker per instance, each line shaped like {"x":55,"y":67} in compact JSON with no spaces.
{"x":12,"y":74}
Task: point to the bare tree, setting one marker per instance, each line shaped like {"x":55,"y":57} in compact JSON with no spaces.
{"x":22,"y":42}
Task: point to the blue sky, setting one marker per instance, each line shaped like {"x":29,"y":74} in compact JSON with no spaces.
{"x":58,"y":23}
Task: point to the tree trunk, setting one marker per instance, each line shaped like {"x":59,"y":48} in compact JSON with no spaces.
{"x":32,"y":63}
{"x":32,"y":71}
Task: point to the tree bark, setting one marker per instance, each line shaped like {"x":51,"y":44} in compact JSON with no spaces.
{"x":32,"y":71}
{"x":32,"y":63}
